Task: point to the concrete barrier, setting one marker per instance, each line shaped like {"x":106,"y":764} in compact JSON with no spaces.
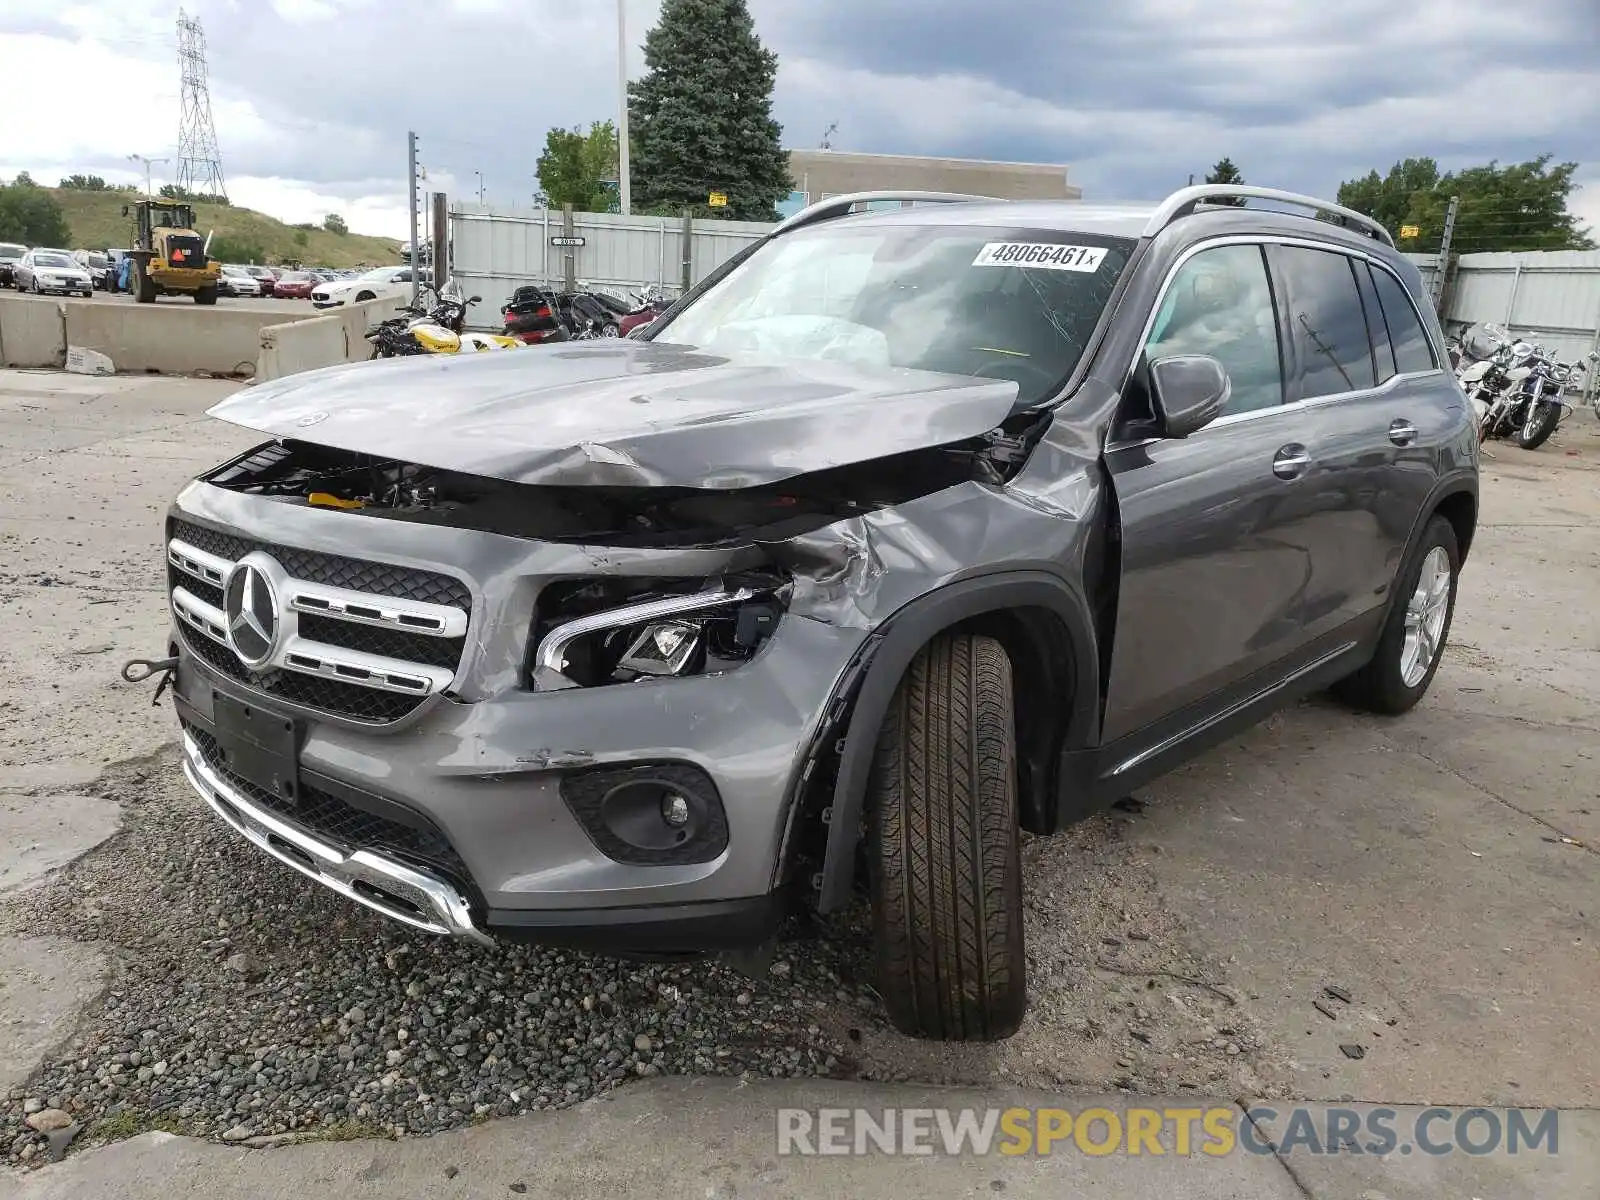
{"x":32,"y":332}
{"x":164,"y":339}
{"x":337,"y":337}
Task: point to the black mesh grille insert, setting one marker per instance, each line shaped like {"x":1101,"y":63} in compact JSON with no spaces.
{"x":335,"y":820}
{"x":390,"y":643}
{"x":327,"y":695}
{"x":378,"y":579}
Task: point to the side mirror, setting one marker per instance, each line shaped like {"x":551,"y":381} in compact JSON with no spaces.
{"x":1188,"y":391}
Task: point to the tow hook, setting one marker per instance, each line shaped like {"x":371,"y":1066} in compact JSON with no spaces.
{"x":137,"y":670}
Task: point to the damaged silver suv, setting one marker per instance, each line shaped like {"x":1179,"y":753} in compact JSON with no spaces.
{"x":908,"y":530}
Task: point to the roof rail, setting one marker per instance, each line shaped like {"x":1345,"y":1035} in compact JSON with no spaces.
{"x":838,"y":206}
{"x":1185,"y":200}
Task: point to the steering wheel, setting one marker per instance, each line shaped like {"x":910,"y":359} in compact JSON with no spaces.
{"x":1047,"y":378}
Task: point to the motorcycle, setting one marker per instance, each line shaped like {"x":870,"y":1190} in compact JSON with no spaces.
{"x":436,"y":329}
{"x":1515,"y":386}
{"x":535,"y":316}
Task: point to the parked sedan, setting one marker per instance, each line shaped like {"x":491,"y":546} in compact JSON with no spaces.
{"x":294,"y":285}
{"x":45,"y":270}
{"x":388,"y":283}
{"x":10,"y":255}
{"x":236,"y":281}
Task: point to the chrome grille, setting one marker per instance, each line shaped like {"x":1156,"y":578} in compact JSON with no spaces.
{"x":363,"y":640}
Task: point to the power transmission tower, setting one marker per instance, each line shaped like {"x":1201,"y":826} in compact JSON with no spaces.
{"x":199,"y":160}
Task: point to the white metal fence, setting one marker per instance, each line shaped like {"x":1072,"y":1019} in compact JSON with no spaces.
{"x":495,"y":251}
{"x":1552,"y":294}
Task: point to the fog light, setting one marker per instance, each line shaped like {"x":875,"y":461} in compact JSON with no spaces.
{"x":674,"y":809}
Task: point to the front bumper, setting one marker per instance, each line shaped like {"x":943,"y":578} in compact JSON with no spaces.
{"x":483,"y":761}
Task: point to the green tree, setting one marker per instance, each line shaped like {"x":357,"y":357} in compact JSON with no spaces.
{"x":29,"y":214}
{"x":23,"y":179}
{"x":701,"y":117}
{"x":1226,"y":172}
{"x":1522,"y":206}
{"x":334,"y":223}
{"x":84,"y":183}
{"x":236,"y":250}
{"x":576,"y":165}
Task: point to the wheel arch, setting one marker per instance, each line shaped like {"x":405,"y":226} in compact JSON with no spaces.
{"x":1047,"y":631}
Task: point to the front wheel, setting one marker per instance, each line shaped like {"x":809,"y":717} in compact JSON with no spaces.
{"x":206,"y":295}
{"x":1417,"y":628}
{"x":1543,"y":417}
{"x":945,"y":847}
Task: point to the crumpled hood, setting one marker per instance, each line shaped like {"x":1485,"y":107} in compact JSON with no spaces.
{"x":623,"y":413}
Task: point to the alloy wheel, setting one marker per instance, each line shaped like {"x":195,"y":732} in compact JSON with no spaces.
{"x":1425,"y":616}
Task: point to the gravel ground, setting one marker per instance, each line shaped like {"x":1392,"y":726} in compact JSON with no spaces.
{"x":248,"y":1004}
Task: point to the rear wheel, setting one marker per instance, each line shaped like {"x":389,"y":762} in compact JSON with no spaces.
{"x":142,"y":286}
{"x":206,"y":295}
{"x":1415,"y":633}
{"x":946,"y":859}
{"x":1541,"y":423}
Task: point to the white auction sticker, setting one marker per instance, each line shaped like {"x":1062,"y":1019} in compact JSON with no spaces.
{"x":1051,"y":256}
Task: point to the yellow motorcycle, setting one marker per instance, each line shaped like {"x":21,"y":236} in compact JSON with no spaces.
{"x":440,"y":329}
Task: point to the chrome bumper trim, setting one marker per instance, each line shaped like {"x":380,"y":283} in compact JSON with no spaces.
{"x":402,"y":893}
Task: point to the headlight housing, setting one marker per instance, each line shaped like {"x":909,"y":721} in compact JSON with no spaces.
{"x":590,"y":633}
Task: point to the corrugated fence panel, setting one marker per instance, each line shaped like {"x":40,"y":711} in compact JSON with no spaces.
{"x":498,"y":250}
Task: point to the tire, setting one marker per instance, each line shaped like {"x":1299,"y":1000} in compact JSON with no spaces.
{"x":1536,"y":431}
{"x":611,"y":330}
{"x":365,"y":296}
{"x":946,"y":858}
{"x":205,"y":295}
{"x":142,"y":286}
{"x":1382,"y":685}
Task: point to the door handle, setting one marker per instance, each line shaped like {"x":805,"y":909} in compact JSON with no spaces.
{"x":1402,"y":432}
{"x":1291,"y":461}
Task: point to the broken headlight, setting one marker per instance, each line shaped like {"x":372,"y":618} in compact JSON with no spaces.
{"x":583,"y":638}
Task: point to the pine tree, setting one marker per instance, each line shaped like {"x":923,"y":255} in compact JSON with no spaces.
{"x":701,"y":116}
{"x":1226,"y":172}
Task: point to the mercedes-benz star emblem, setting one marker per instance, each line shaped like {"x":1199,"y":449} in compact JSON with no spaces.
{"x":251,"y":607}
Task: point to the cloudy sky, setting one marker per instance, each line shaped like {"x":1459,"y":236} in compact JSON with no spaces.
{"x":313,"y":98}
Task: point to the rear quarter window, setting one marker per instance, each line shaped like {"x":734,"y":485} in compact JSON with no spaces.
{"x":1412,"y":349}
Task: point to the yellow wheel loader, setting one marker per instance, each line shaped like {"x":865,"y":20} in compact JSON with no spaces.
{"x":169,"y":257}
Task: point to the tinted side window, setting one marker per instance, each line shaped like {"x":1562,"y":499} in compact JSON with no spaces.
{"x":1412,"y":351}
{"x":1326,"y":326}
{"x":1220,"y":303}
{"x":1382,"y":352}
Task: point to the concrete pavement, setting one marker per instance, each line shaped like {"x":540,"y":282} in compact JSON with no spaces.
{"x":1417,"y":865}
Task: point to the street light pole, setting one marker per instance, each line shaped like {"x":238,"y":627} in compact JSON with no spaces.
{"x":148,"y":194}
{"x":625,"y":195}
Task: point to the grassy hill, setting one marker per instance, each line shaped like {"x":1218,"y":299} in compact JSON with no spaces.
{"x":96,"y":221}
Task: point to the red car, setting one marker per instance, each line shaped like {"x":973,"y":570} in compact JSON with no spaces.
{"x":294,"y":285}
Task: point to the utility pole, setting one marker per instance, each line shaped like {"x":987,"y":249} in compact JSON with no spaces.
{"x":479,"y":174}
{"x":624,"y":188}
{"x":441,"y":241}
{"x":569,"y":252}
{"x":416,"y":251}
{"x":1443,"y":269}
{"x":148,"y":194}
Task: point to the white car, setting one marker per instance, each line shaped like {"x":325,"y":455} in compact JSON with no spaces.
{"x":46,"y":270}
{"x":380,"y":283}
{"x":236,"y":281}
